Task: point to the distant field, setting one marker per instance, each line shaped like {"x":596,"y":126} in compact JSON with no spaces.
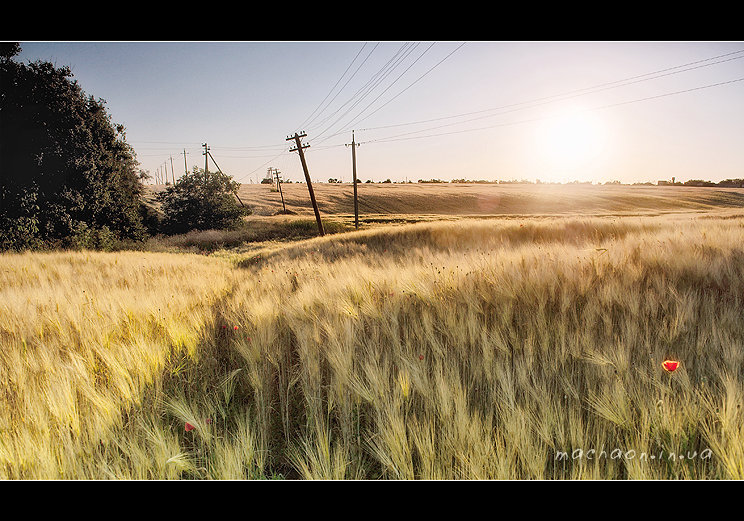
{"x":486,"y":199}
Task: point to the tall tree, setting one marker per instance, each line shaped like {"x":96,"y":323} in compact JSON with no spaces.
{"x":64,"y":165}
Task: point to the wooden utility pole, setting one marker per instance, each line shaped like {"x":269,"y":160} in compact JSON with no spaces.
{"x":353,"y":146}
{"x":185,"y":166}
{"x":299,"y":147}
{"x":206,"y":151}
{"x":173,"y":171}
{"x":279,"y":184}
{"x":270,"y":176}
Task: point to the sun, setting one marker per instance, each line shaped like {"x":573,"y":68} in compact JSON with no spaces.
{"x":570,"y":140}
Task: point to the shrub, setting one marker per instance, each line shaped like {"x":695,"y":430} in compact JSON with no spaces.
{"x":200,"y":201}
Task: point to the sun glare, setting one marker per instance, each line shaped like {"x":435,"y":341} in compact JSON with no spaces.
{"x":570,"y":140}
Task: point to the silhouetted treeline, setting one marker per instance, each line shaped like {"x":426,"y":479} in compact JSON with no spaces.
{"x":728,"y":183}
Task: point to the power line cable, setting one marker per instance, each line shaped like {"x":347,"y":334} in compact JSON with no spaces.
{"x":394,"y":138}
{"x":275,"y":146}
{"x":350,"y":125}
{"x":390,"y":85}
{"x":371,"y":84}
{"x":539,"y":102}
{"x":573,"y":93}
{"x":312,"y":116}
{"x":410,"y":85}
{"x":243,"y":176}
{"x":326,"y":118}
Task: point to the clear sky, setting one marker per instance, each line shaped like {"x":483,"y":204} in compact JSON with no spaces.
{"x":549,"y":110}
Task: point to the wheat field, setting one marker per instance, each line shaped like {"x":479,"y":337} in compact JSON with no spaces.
{"x":444,"y":199}
{"x":521,"y":348}
{"x":504,"y":199}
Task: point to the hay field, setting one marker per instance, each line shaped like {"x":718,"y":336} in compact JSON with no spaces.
{"x":525,"y":348}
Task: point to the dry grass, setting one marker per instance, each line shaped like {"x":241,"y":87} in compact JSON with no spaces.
{"x":455,"y":350}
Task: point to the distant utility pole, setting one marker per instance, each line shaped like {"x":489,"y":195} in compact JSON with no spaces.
{"x":299,"y":147}
{"x":173,"y":171}
{"x":206,"y":151}
{"x":185,"y":166}
{"x":353,"y":146}
{"x":279,"y":184}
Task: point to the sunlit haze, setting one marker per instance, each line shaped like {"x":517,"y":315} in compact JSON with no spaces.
{"x":553,"y":111}
{"x":570,"y":142}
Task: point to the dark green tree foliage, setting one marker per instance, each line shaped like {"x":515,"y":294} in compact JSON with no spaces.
{"x":65,"y":166}
{"x":200,"y":201}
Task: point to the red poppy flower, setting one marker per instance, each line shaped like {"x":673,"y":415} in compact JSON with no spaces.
{"x":670,"y":365}
{"x":189,"y":427}
{"x":236,"y":327}
{"x":421,"y":357}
